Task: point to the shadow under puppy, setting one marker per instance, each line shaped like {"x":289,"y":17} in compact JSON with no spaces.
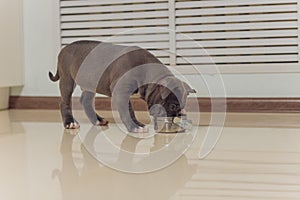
{"x":118,"y":72}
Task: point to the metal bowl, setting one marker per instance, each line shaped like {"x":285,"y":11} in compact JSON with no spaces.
{"x":170,"y":125}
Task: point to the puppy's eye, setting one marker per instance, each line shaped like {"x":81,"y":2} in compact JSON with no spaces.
{"x":172,"y":107}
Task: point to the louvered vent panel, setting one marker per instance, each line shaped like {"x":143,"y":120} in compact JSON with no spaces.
{"x":134,"y":22}
{"x":236,"y":32}
{"x":243,"y":35}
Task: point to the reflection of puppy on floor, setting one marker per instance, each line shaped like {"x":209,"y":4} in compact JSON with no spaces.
{"x":117,"y":71}
{"x":68,"y":176}
{"x":96,"y":182}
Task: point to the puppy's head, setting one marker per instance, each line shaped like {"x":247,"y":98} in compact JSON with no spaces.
{"x":169,"y":98}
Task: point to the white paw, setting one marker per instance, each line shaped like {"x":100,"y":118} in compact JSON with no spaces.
{"x":183,"y":112}
{"x":73,"y":125}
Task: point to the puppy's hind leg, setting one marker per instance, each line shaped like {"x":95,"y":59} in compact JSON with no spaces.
{"x":87,"y":100}
{"x":67,"y":86}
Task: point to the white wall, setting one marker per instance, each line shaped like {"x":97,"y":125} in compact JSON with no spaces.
{"x":41,"y":45}
{"x":254,"y":85}
{"x":41,"y":36}
{"x":11,"y":50}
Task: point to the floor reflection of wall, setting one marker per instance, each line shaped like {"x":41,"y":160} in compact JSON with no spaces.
{"x":5,"y":122}
{"x":95,"y":181}
{"x":13,"y":160}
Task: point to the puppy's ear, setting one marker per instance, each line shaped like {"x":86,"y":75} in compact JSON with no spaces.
{"x":168,"y":86}
{"x":165,"y":92}
{"x":179,"y":88}
{"x":188,"y":89}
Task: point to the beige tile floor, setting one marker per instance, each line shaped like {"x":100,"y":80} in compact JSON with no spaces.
{"x":257,"y":157}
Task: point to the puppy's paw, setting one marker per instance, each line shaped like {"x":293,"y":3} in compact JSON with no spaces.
{"x":72,"y":125}
{"x":102,"y":122}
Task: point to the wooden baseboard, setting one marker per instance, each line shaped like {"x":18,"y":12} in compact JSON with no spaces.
{"x":249,"y":105}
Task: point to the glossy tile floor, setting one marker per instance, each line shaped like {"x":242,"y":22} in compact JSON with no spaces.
{"x":257,"y":157}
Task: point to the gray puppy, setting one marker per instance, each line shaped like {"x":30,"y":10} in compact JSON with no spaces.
{"x":118,"y":72}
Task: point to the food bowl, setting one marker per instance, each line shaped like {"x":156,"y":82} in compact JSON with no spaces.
{"x":169,"y":125}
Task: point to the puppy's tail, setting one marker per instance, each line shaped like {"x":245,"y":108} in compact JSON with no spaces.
{"x":54,"y":78}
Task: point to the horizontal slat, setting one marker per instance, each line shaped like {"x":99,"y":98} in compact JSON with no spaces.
{"x":236,"y":10}
{"x":103,"y":2}
{"x":146,"y":22}
{"x":160,"y":53}
{"x":237,"y":51}
{"x":146,"y":45}
{"x":114,"y":16}
{"x":239,"y":68}
{"x":115,"y":8}
{"x":195,"y":4}
{"x":240,"y":26}
{"x":236,"y":18}
{"x":164,"y":60}
{"x":245,"y":42}
{"x":135,"y":38}
{"x":238,"y":34}
{"x":141,"y":38}
{"x":238,"y":59}
{"x":149,"y":45}
{"x":114,"y":31}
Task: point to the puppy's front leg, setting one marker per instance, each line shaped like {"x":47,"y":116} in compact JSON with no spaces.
{"x":140,"y":124}
{"x":87,"y":100}
{"x":127,"y":114}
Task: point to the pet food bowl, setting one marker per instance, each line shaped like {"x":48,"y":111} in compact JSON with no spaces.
{"x":170,"y":125}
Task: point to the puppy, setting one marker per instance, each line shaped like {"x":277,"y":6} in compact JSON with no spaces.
{"x":118,"y":72}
